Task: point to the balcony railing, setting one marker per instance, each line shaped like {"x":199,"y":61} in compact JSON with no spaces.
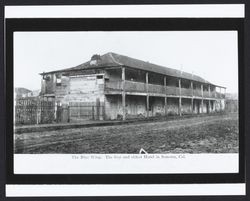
{"x":206,"y":94}
{"x":174,"y":91}
{"x":113,"y":86}
{"x":197,"y":92}
{"x":212,"y":94}
{"x":186,"y":92}
{"x":219,"y":95}
{"x":140,"y":87}
{"x":158,"y":89}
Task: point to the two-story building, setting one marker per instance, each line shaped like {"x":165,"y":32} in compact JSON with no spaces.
{"x":125,"y":87}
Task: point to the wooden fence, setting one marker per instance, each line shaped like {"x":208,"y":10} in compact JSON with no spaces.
{"x":45,"y":111}
{"x":34,"y":110}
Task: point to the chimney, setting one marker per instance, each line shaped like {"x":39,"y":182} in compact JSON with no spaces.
{"x":94,"y":59}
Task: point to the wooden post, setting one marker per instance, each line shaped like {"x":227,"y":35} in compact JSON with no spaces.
{"x":98,"y":105}
{"x":38,"y":112}
{"x":166,"y":101}
{"x":147,"y":82}
{"x":201,"y":98}
{"x":123,"y":95}
{"x":192,"y":100}
{"x":209,"y":102}
{"x":104,"y":109}
{"x":192,"y":105}
{"x":147,"y":104}
{"x":165,"y":82}
{"x":147,"y":99}
{"x":180,"y":107}
{"x":93,"y":113}
{"x":166,"y":104}
{"x":68,"y":113}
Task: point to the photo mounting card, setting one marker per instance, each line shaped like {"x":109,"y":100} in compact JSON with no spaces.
{"x":154,"y":100}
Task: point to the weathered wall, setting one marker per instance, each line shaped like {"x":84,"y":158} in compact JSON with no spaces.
{"x":113,"y":106}
{"x":63,"y":90}
{"x":157,"y":106}
{"x":186,"y":106}
{"x":80,"y":94}
{"x":172,"y":106}
{"x":212,"y":106}
{"x":196,"y":106}
{"x":85,"y":88}
{"x":205,"y":106}
{"x":135,"y":106}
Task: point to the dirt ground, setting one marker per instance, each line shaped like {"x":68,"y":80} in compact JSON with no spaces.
{"x":206,"y":134}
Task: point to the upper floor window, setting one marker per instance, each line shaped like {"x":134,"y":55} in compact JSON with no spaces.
{"x":58,"y":80}
{"x":99,"y":76}
{"x":99,"y":79}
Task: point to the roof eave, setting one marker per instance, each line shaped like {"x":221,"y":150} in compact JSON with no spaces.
{"x":70,"y":70}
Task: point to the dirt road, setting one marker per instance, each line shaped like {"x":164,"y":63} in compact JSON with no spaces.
{"x":207,"y":134}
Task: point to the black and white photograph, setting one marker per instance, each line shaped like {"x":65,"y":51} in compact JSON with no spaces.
{"x":126,"y":92}
{"x":127,"y":96}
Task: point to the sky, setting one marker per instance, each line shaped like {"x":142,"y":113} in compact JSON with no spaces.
{"x":212,"y":55}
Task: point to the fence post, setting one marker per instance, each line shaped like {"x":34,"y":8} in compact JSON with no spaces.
{"x":93,"y":113}
{"x":103,"y":111}
{"x":38,"y":112}
{"x":68,"y":113}
{"x":98,"y":109}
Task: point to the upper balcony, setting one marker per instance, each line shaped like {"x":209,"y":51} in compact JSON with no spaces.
{"x":116,"y":87}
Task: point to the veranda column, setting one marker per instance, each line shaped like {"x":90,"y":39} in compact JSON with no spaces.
{"x":147,"y":95}
{"x":209,"y":101}
{"x":180,"y":107}
{"x":123,"y":95}
{"x":201,"y":98}
{"x":220,"y":100}
{"x":165,"y":84}
{"x":192,"y":99}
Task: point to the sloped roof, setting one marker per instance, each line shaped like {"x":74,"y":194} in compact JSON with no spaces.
{"x":115,"y":60}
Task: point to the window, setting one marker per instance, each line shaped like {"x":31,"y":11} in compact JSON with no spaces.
{"x":99,"y":76}
{"x":58,"y":80}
